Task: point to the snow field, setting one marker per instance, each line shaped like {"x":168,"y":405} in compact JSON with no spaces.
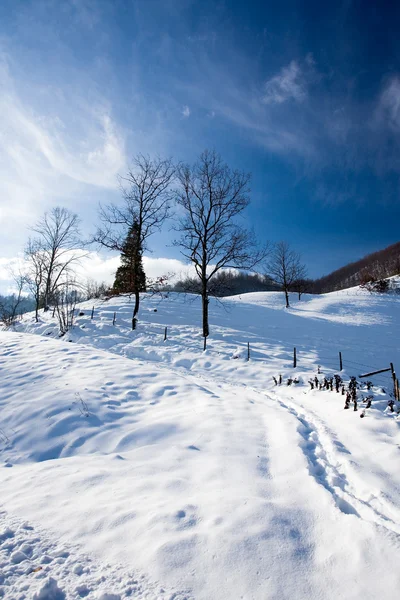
{"x":192,"y":468}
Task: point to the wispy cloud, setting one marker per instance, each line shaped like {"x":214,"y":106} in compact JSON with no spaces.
{"x":185,"y":112}
{"x":93,"y":156}
{"x":289,"y":84}
{"x":388,"y":111}
{"x":46,"y":159}
{"x":262,"y":112}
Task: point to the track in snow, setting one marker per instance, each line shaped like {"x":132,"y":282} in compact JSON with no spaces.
{"x":325,"y":472}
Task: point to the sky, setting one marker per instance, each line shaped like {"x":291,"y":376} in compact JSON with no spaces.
{"x":304,"y":95}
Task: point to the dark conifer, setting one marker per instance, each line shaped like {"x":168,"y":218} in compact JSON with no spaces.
{"x":130,"y":276}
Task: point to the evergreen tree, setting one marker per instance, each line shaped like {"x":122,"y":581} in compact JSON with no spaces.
{"x":130,"y":276}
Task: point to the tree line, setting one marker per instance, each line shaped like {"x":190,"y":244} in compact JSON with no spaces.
{"x":370,"y":271}
{"x":206,"y":199}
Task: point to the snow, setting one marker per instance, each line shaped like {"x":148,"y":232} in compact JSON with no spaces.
{"x":136,"y":467}
{"x":56,"y":571}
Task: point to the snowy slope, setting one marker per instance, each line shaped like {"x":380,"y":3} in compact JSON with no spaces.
{"x":191,"y":471}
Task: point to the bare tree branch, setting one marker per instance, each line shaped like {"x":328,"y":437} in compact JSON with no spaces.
{"x":53,"y":253}
{"x":147,"y":198}
{"x":212,"y":196}
{"x":285,"y":267}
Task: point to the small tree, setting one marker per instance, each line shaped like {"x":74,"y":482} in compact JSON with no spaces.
{"x":147,"y":200}
{"x":58,"y":246}
{"x":211,"y":196}
{"x":130,"y":276}
{"x":36,"y":272}
{"x":302,"y":286}
{"x":285,"y":267}
{"x":65,"y":302}
{"x":93,"y":289}
{"x":380,"y":286}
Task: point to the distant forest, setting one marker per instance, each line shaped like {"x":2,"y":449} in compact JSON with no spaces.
{"x":228,"y":283}
{"x":372,"y":267}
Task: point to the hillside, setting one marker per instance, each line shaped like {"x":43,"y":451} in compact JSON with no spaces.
{"x":378,"y":265}
{"x":138,"y":467}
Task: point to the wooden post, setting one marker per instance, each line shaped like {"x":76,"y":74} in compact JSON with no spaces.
{"x":92,"y":313}
{"x":294,"y":358}
{"x":165,"y":333}
{"x":115,"y":314}
{"x":375,"y":372}
{"x":248,"y":350}
{"x":340,"y":361}
{"x":205,"y":344}
{"x":396,"y":397}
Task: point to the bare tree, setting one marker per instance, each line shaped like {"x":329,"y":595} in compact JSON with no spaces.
{"x":94,"y":289}
{"x":285,"y":267}
{"x":59,"y":245}
{"x":211,"y":196}
{"x":36,"y":272}
{"x":65,"y":302}
{"x":147,"y":201}
{"x":302,"y":286}
{"x":10,"y":304}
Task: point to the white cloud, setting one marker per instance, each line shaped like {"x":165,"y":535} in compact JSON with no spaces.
{"x":95,"y":158}
{"x":389,"y":104}
{"x":100,"y":268}
{"x":155,"y":267}
{"x":185,"y":112}
{"x":289,"y":84}
{"x":50,"y":155}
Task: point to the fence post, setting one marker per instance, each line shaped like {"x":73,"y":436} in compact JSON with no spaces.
{"x":396,"y":395}
{"x":165,"y":333}
{"x":92,"y":313}
{"x":115,"y":314}
{"x":340,"y":361}
{"x":248,"y":350}
{"x":294,"y":358}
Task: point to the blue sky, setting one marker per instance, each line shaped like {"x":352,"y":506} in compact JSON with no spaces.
{"x":305,"y":95}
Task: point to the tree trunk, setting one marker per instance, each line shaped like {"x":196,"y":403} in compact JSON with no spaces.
{"x":46,"y":302}
{"x":137,"y":300}
{"x":204,"y":302}
{"x":37,"y":303}
{"x":287,"y":298}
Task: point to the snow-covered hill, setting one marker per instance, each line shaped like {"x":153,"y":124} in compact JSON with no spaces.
{"x":190,"y":474}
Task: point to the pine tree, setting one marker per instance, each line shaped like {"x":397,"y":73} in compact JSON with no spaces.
{"x":130,"y":276}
